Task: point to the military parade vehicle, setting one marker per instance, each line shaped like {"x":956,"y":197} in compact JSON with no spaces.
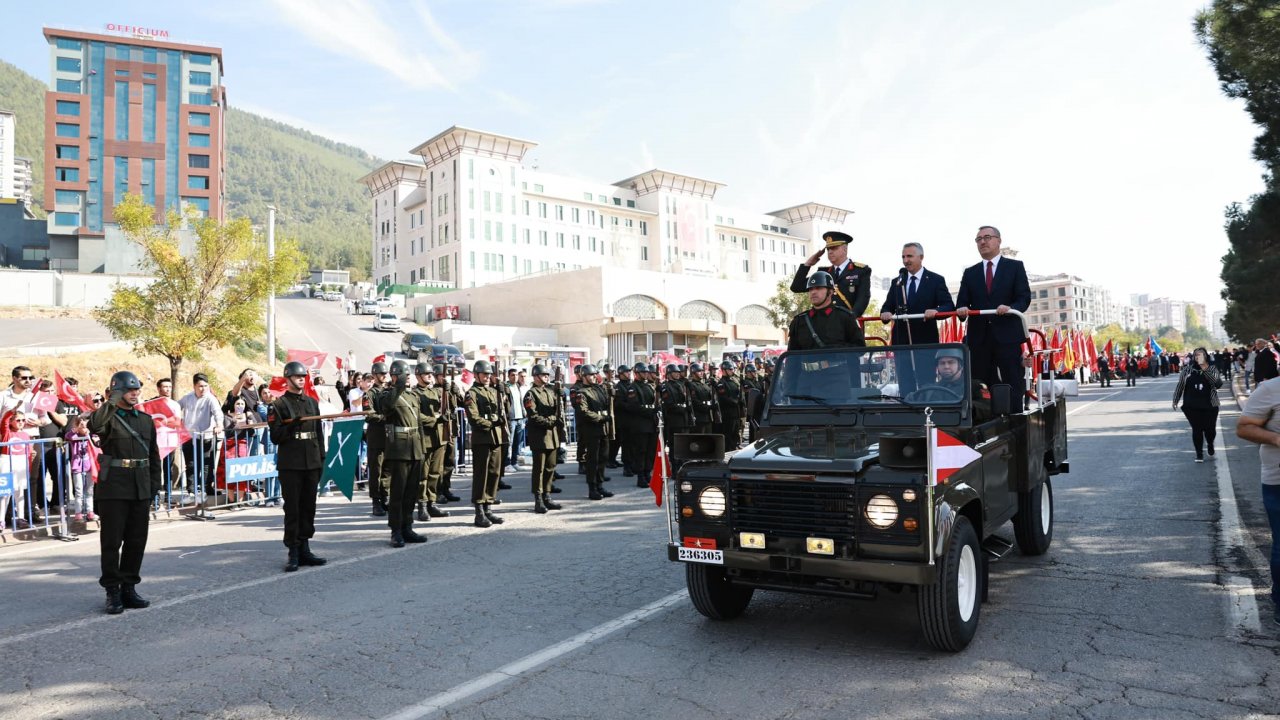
{"x":874,"y":471}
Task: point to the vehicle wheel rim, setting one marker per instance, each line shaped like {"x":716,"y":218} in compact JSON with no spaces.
{"x":966,"y":584}
{"x":1046,"y":508}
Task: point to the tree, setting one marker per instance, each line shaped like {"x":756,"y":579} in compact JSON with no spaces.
{"x":1242,"y":38}
{"x":211,"y":297}
{"x":785,"y":305}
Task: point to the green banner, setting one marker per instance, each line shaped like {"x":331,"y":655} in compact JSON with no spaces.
{"x":343,"y":460}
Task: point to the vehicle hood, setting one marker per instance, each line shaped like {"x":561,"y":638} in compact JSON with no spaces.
{"x":809,"y":450}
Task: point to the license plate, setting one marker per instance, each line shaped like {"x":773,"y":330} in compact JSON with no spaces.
{"x":711,"y":557}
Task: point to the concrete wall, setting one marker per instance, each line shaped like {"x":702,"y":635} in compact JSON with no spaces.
{"x":468,"y":338}
{"x":46,"y":288}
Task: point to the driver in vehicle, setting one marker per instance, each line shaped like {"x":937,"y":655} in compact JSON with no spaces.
{"x":949,"y":385}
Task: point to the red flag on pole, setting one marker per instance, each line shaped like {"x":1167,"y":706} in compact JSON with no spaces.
{"x":68,"y":394}
{"x":948,"y":455}
{"x":659,"y":472}
{"x":171,"y":434}
{"x":44,"y":402}
{"x":312,"y":359}
{"x":278,"y":385}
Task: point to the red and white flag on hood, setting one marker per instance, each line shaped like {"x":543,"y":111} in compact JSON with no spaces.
{"x":947,"y":456}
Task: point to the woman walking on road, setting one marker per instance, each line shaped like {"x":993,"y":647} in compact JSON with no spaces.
{"x":1198,"y":389}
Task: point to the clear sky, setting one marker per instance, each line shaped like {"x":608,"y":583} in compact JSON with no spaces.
{"x":1092,"y":132}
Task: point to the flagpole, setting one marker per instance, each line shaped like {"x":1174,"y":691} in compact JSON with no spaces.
{"x":930,"y":440}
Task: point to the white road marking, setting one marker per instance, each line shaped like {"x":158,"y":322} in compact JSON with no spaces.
{"x":457,"y":693}
{"x":1090,"y":404}
{"x":1242,"y":600}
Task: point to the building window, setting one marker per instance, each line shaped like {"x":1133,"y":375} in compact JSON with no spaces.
{"x":68,"y":64}
{"x":602,"y":199}
{"x":526,"y":208}
{"x":644,"y":252}
{"x":542,"y":209}
{"x":497,"y":202}
{"x":197,"y":182}
{"x":560,"y":212}
{"x":537,"y":188}
{"x":199,"y":203}
{"x":197,"y":77}
{"x":631,"y":203}
{"x":644,"y":227}
{"x":577,"y":242}
{"x":499,"y":235}
{"x":200,"y":140}
{"x":542,"y":238}
{"x":67,"y":44}
{"x":200,"y":59}
{"x":70,"y":130}
{"x":68,"y":107}
{"x":617,"y":201}
{"x":471,"y":175}
{"x":471,"y":233}
{"x":68,"y":152}
{"x":198,"y":119}
{"x":197,"y":161}
{"x":473,"y":261}
{"x":68,"y":86}
{"x":66,"y":219}
{"x":67,"y":174}
{"x":559,"y":240}
{"x":148,"y":76}
{"x":488,"y":230}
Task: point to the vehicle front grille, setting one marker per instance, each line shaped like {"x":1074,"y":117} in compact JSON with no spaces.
{"x":794,"y":509}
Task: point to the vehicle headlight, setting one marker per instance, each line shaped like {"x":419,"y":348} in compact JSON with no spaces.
{"x":711,"y":501}
{"x":881,"y":511}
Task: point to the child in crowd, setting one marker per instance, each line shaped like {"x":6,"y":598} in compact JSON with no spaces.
{"x":16,"y":454}
{"x":78,"y":440}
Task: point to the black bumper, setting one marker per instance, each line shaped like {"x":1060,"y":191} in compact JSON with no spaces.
{"x":887,"y":571}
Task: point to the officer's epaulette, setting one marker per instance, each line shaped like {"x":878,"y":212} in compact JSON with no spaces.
{"x":859,"y":265}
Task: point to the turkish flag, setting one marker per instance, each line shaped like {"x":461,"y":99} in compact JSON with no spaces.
{"x":44,"y":402}
{"x":381,"y":358}
{"x":171,"y":434}
{"x":948,"y":456}
{"x":312,"y":359}
{"x":68,"y":394}
{"x":659,"y":472}
{"x":338,"y":361}
{"x":280,"y":385}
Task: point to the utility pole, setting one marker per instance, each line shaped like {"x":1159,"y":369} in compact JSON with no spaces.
{"x":271,"y":298}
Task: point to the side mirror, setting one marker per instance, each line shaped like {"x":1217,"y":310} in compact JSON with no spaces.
{"x":1001,"y":400}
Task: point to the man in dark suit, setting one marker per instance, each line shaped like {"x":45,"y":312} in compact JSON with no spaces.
{"x":852,"y":279}
{"x":1000,"y":284}
{"x":915,"y":291}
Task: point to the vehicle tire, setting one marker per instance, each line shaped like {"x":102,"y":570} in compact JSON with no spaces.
{"x":1033,"y":525}
{"x":949,"y":609}
{"x":713,"y":594}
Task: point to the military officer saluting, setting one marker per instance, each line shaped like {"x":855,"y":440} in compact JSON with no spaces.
{"x":400,"y":406}
{"x":128,"y":482}
{"x":824,"y":325}
{"x":544,"y":423}
{"x":852,"y":288}
{"x":299,"y":461}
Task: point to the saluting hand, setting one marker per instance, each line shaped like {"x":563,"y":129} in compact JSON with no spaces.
{"x":814,"y":258}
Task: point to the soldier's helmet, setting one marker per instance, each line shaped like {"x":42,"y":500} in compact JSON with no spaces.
{"x":956,"y":353}
{"x":822,"y":278}
{"x":641,"y":368}
{"x":438,"y":369}
{"x":682,"y":368}
{"x":751,"y":368}
{"x":696,"y":367}
{"x":624,"y":368}
{"x":422,"y":368}
{"x":539,"y":370}
{"x":672,"y":367}
{"x":589,"y":369}
{"x":399,"y":368}
{"x":125,"y":381}
{"x":482,"y":366}
{"x":577,"y":369}
{"x":606,"y":368}
{"x":726,"y":365}
{"x":379,"y":368}
{"x":294,"y":369}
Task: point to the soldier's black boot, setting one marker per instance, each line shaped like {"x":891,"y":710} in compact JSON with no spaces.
{"x":448,"y":496}
{"x":292,"y":563}
{"x":493,"y":517}
{"x":378,"y":509}
{"x":422,"y":513}
{"x":397,"y":540}
{"x":641,"y":482}
{"x":131,"y":599}
{"x":482,"y":520}
{"x":410,"y":536}
{"x":115,"y":605}
{"x":600,"y":487}
{"x":555,"y":489}
{"x":593,"y":490}
{"x":306,"y":557}
{"x":549,"y":503}
{"x":556,"y":475}
{"x":538,"y":506}
{"x":504,"y":485}
{"x":434,"y":511}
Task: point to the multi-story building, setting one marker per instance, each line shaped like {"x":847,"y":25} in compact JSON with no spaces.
{"x":1065,"y":301}
{"x":8,"y":161}
{"x":128,"y":113}
{"x":1217,"y":329}
{"x":1168,"y":313}
{"x":23,"y":179}
{"x":470,"y":215}
{"x":1137,"y":317}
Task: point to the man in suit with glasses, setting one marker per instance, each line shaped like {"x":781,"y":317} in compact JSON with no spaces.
{"x":995,"y":343}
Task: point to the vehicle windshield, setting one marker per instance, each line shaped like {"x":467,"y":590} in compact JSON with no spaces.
{"x":934,"y":375}
{"x":388,"y":316}
{"x":419,"y":338}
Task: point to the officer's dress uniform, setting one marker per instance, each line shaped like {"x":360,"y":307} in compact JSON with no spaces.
{"x":852,"y":291}
{"x":542,"y":412}
{"x":592,"y":411}
{"x":484,"y":414}
{"x":128,"y":481}
{"x":729,"y":396}
{"x":832,"y":326}
{"x":400,"y":407}
{"x":299,"y":461}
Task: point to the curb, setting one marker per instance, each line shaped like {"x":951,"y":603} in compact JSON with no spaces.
{"x":41,"y":350}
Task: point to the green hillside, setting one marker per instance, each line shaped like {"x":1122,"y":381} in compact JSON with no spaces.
{"x":310,"y":180}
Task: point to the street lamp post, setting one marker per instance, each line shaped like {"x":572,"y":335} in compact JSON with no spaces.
{"x":271,"y":297}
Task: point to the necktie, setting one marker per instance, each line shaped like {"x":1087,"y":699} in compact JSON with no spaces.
{"x":989,"y":276}
{"x":911,"y":290}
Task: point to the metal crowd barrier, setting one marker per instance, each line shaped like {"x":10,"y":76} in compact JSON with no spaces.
{"x":29,"y":469}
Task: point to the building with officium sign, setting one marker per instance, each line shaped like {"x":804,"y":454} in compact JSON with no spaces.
{"x":130,"y":112}
{"x":627,"y":268}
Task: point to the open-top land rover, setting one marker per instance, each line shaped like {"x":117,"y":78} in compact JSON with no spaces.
{"x":836,"y":498}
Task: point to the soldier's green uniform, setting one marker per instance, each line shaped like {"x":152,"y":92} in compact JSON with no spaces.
{"x":543,"y":421}
{"x":592,"y":411}
{"x":128,"y":482}
{"x":376,"y":443}
{"x":400,"y":407}
{"x":484,"y":414}
{"x":435,"y":441}
{"x":702,"y":400}
{"x":574,"y":389}
{"x":456,"y":399}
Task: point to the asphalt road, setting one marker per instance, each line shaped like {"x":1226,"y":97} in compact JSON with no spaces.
{"x":50,"y":332}
{"x":578,"y":614}
{"x":311,"y":324}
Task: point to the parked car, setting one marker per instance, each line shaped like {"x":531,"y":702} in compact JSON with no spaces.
{"x":368,"y":307}
{"x":384,"y":302}
{"x":387,"y":321}
{"x":333,"y":295}
{"x":415,"y":342}
{"x":446,"y":355}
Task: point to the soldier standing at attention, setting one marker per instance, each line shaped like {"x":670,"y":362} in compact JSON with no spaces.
{"x":729,"y":394}
{"x":484,"y":413}
{"x":574,"y":389}
{"x":401,"y":406}
{"x":754,"y":398}
{"x":454,"y":400}
{"x":703,"y":399}
{"x":542,"y":412}
{"x":624,"y":420}
{"x":852,"y":280}
{"x":299,"y":461}
{"x":676,"y":415}
{"x":641,"y":400}
{"x":128,"y":482}
{"x":592,"y":410}
{"x":435,"y":438}
{"x":824,"y":325}
{"x":504,"y":432}
{"x":609,"y":382}
{"x":376,"y":441}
